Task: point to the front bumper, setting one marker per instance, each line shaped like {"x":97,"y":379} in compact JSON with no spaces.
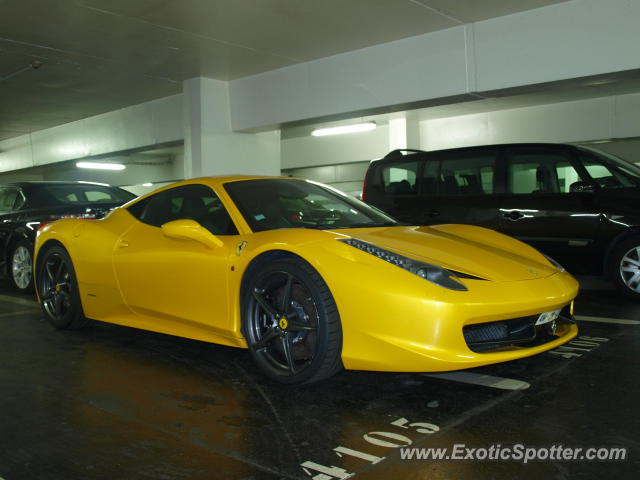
{"x":412,"y":332}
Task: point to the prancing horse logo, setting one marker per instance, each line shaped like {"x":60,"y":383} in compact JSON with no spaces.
{"x":240,"y":247}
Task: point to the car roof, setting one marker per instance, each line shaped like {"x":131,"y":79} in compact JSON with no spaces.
{"x":214,"y":181}
{"x":219,"y":180}
{"x":395,"y":154}
{"x":52,"y":182}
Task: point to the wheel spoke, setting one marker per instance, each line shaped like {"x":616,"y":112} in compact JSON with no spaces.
{"x":300,"y":327}
{"x":47,"y":296}
{"x":266,"y":306}
{"x":57,"y":303}
{"x":634,"y":279}
{"x":58,"y":275}
{"x":48,"y":304}
{"x":631,"y":261}
{"x":268,"y":336}
{"x":65,"y":299}
{"x":49,"y":272}
{"x":286,"y":294}
{"x":288,"y":353}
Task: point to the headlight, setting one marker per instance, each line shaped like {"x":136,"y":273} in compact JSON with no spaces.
{"x":554,"y":263}
{"x":432,"y":273}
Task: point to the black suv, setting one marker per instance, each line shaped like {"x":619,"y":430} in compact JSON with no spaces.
{"x":26,"y":206}
{"x":575,"y":204}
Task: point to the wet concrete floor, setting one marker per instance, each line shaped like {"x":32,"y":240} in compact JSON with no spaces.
{"x":109,"y":402}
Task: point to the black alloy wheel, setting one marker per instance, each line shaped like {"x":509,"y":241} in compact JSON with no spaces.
{"x":291,"y":323}
{"x":58,"y":290}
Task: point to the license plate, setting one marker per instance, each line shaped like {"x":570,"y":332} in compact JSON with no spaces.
{"x":548,"y":317}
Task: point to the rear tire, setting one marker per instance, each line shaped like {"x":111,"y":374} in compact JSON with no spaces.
{"x":58,"y":290}
{"x":291,"y":323}
{"x":22,"y":266}
{"x":625,"y":267}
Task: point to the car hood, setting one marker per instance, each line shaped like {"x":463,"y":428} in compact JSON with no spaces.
{"x":468,"y":249}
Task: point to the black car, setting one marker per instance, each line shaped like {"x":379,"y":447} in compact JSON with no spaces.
{"x":575,"y":204}
{"x":26,"y":206}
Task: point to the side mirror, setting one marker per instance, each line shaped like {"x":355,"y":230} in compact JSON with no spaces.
{"x":191,"y":230}
{"x":581,"y":187}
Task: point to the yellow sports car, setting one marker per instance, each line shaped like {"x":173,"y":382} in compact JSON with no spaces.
{"x":307,"y":278}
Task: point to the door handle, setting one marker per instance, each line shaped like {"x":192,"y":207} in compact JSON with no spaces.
{"x":513,"y":215}
{"x":123,"y":243}
{"x":431,"y":213}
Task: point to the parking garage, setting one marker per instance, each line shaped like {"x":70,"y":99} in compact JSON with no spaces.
{"x":161,"y":92}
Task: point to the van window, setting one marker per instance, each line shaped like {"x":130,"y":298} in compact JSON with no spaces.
{"x":541,"y":173}
{"x":608,"y":176}
{"x":400,"y":178}
{"x":10,"y":199}
{"x":471,"y":175}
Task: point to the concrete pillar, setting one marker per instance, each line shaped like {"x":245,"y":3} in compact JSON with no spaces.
{"x":210,"y":145}
{"x":404,"y":132}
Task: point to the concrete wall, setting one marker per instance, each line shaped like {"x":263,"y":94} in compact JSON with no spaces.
{"x":300,"y":149}
{"x":579,"y":121}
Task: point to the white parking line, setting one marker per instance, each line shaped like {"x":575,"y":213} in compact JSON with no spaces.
{"x":484,"y":380}
{"x":19,"y":301}
{"x":623,"y":321}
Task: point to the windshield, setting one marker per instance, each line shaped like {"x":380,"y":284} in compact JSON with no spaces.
{"x":267,"y":204}
{"x":609,"y":171}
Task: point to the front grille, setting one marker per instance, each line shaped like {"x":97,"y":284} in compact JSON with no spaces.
{"x":521,"y":331}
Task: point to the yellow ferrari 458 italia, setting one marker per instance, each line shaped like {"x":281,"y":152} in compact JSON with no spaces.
{"x":307,"y":278}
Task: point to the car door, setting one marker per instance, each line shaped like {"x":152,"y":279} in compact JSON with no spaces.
{"x":541,"y":210}
{"x":171,"y":280}
{"x":458,"y":186}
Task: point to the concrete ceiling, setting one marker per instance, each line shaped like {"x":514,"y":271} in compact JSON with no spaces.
{"x":93,"y":56}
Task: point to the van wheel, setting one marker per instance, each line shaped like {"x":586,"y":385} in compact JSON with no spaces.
{"x":22,"y":266}
{"x":625,"y":267}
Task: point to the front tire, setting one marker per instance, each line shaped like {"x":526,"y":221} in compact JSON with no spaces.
{"x":58,"y":290}
{"x":291,"y":323}
{"x":22,"y":266}
{"x":625,"y":267}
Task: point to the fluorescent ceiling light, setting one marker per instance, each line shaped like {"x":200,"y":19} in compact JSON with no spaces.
{"x":358,"y":127}
{"x":101,"y":166}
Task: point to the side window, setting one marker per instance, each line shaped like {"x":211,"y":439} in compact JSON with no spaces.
{"x":469,"y":175}
{"x":98,"y":196}
{"x":605,"y":176}
{"x":10,"y":199}
{"x":400,"y":178}
{"x":192,"y":202}
{"x":541,"y":172}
